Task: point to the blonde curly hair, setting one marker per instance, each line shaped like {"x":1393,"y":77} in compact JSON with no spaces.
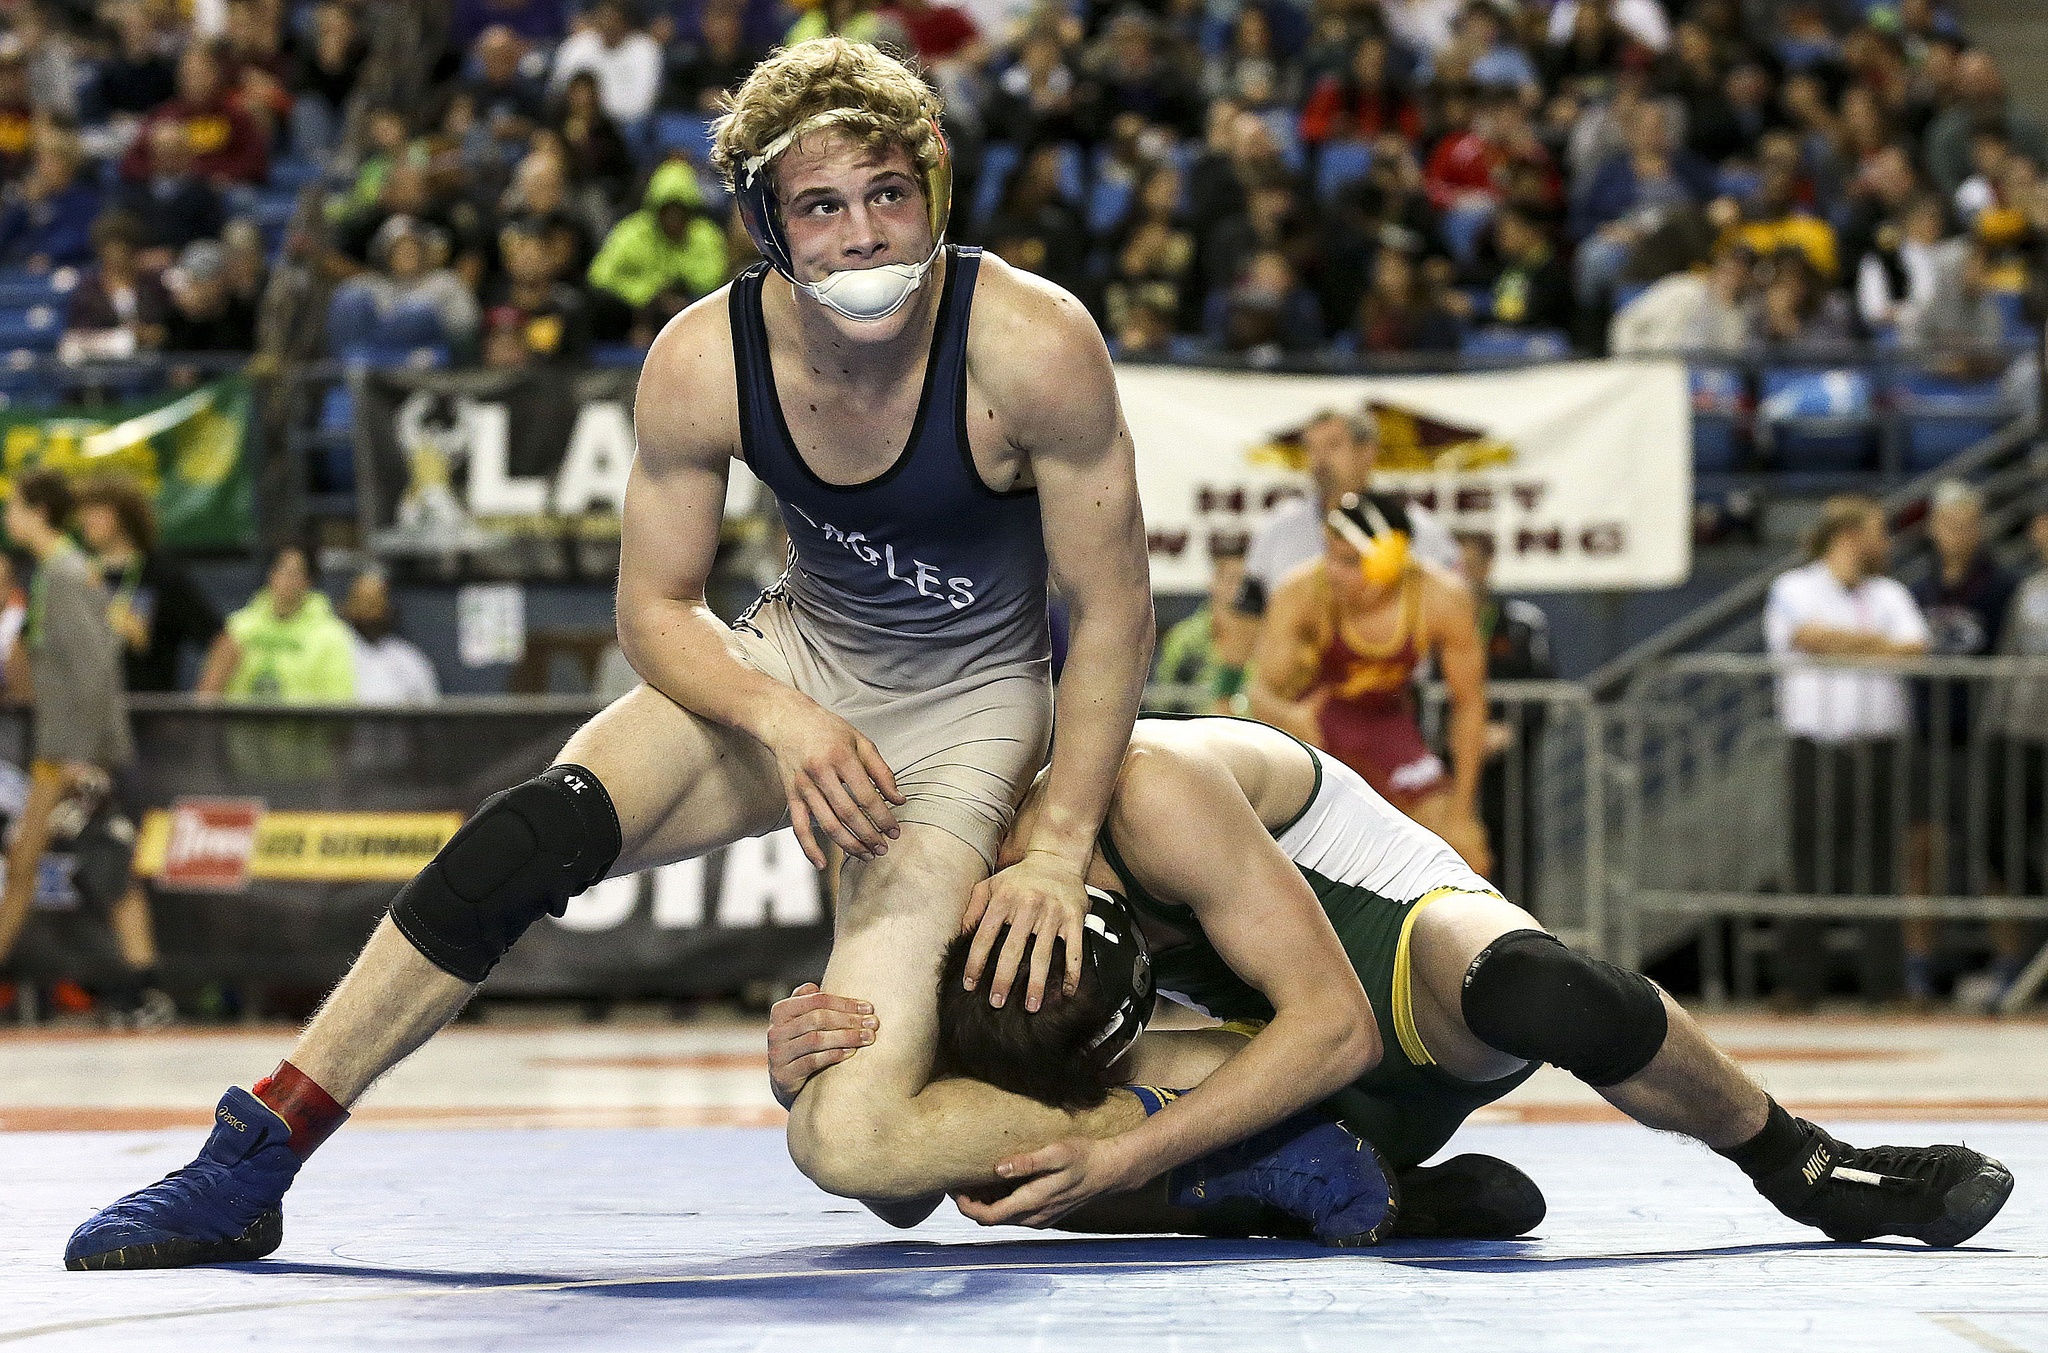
{"x":862,"y":92}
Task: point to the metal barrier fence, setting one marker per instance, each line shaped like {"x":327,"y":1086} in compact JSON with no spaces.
{"x":1940,"y":812}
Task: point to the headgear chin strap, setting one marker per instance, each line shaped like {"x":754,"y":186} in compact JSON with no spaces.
{"x":864,"y":294}
{"x":1123,"y":965}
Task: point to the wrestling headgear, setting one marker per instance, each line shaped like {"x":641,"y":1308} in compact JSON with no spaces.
{"x":1115,"y":948}
{"x":1377,"y":527}
{"x":857,"y":293}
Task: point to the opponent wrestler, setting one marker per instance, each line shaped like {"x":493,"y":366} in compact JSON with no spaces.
{"x":1227,"y":838}
{"x":939,"y":431}
{"x":1337,"y":659}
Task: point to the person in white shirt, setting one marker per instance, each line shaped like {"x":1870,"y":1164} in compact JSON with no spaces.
{"x":1847,"y":727}
{"x":626,"y":62}
{"x":389,"y":670}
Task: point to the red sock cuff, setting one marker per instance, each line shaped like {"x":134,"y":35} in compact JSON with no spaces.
{"x":310,"y":1111}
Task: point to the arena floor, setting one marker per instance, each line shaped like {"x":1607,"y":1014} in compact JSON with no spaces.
{"x":623,"y":1187}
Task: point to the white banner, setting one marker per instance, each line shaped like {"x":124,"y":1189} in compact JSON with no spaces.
{"x":1583,"y":470}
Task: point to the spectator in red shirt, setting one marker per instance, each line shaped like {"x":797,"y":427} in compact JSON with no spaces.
{"x":1361,"y":104}
{"x":227,"y":146}
{"x":938,"y":32}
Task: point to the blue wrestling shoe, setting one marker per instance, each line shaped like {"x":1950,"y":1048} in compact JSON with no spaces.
{"x":225,"y":1207}
{"x":1315,"y":1170}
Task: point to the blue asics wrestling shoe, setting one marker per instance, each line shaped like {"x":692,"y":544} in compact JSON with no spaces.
{"x":1311,"y":1168}
{"x":223,"y":1208}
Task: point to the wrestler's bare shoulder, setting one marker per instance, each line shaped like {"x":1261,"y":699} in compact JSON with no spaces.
{"x":1032,"y":349}
{"x":687,"y":405}
{"x":1275,"y":772}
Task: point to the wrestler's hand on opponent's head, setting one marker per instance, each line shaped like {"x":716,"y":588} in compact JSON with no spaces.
{"x":809,"y":1030}
{"x":1041,"y":895}
{"x":1042,"y":1186}
{"x":837,"y":783}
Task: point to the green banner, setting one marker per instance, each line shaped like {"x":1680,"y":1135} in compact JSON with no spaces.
{"x":190,"y":451}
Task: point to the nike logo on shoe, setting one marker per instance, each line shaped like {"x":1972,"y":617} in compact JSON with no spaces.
{"x":1816,"y":1168}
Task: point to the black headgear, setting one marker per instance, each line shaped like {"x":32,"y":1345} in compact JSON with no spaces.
{"x":1115,"y":948}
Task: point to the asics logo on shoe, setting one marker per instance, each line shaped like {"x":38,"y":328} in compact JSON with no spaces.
{"x":232,"y":1121}
{"x":1817,"y":1166}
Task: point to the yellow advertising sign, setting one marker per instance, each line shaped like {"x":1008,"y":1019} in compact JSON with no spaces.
{"x":180,"y":846}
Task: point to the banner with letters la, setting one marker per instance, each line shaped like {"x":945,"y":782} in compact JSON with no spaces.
{"x":1580,"y":471}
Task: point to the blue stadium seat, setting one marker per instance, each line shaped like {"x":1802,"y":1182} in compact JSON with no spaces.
{"x":1481,"y":301}
{"x":1820,"y":420}
{"x":1073,"y":173}
{"x":1462,"y":228}
{"x":999,"y":160}
{"x":1109,"y":201}
{"x":1286,"y":127}
{"x":2012,"y":309}
{"x":1944,"y":416}
{"x":689,"y":133}
{"x":291,"y":174}
{"x":32,"y":387}
{"x":617,"y":355}
{"x":1340,"y":163}
{"x":35,"y":328}
{"x":1717,"y":401}
{"x":1495,"y":343}
{"x":20,"y":291}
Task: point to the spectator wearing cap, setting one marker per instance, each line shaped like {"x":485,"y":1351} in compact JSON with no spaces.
{"x":206,"y":314}
{"x":156,"y":608}
{"x":550,"y":317}
{"x":626,"y":61}
{"x":287,"y":644}
{"x":660,"y":258}
{"x":227,"y":145}
{"x":117,"y":308}
{"x":324,"y":71}
{"x":47,"y":218}
{"x":410,"y":301}
{"x":175,"y":204}
{"x":389,"y":668}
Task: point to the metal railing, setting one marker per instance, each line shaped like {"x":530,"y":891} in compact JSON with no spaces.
{"x":1938,"y":812}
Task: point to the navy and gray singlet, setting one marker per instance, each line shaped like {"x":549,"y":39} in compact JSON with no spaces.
{"x":924,"y":554}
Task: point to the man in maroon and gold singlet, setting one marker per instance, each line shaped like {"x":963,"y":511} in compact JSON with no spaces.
{"x":1336,"y":667}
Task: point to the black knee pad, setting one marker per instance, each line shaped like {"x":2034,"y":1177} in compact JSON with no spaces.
{"x":528,"y":850}
{"x":1531,"y":997}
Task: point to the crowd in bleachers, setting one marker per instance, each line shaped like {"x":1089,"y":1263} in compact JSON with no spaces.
{"x":1267,"y":178}
{"x":1264,"y":179}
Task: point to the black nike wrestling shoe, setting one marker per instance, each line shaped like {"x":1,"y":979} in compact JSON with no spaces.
{"x":1469,"y":1197}
{"x":1942,"y":1195}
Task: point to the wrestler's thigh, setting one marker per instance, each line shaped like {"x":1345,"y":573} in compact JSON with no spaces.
{"x":682,"y":784}
{"x":895,"y":917}
{"x":1179,"y":1058}
{"x":1448,"y":935}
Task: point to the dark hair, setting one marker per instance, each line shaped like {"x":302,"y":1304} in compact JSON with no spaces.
{"x":117,"y":227}
{"x":1042,"y":1055}
{"x":48,"y":492}
{"x":130,"y":505}
{"x":306,"y":552}
{"x":1482,"y":541}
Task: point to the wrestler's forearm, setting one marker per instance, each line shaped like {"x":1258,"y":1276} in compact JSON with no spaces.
{"x":683,"y":650}
{"x":1467,"y":737}
{"x":1301,"y":1058}
{"x":1099,"y":694}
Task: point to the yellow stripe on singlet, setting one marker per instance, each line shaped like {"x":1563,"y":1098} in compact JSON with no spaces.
{"x":1404,"y":983}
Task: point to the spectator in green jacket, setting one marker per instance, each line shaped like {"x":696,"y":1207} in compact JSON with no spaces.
{"x":286,"y":645}
{"x":660,"y":258}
